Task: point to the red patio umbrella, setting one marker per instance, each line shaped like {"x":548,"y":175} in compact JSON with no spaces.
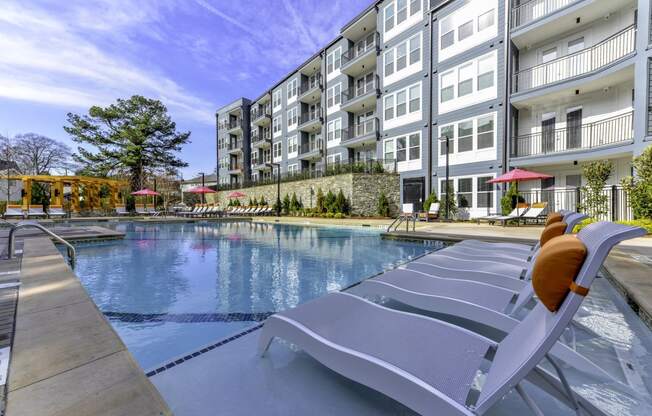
{"x":145,"y":192}
{"x":201,"y":190}
{"x":236,"y":194}
{"x":519,"y":175}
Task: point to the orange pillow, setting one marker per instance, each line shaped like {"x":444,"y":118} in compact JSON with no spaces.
{"x":551,"y":231}
{"x":555,"y":269}
{"x":554,"y":217}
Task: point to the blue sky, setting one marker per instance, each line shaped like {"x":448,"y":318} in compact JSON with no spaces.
{"x":194,"y":55}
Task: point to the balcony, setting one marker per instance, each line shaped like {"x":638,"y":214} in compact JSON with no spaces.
{"x":361,"y":57}
{"x":262,"y":115}
{"x":581,"y":63}
{"x":310,"y":89}
{"x":363,"y":97}
{"x":234,"y":126}
{"x":360,"y":134}
{"x":261,"y":140}
{"x":610,"y":131}
{"x":310,"y":120}
{"x":235,"y":168}
{"x":235,"y":146}
{"x":311,"y":149}
{"x":532,"y":10}
{"x":261,"y":165}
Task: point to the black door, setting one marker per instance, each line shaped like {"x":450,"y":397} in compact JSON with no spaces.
{"x":574,"y":129}
{"x":413,"y":192}
{"x":548,"y":135}
{"x":548,"y":193}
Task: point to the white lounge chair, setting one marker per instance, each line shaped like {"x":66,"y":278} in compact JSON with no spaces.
{"x":121,"y":210}
{"x":430,"y":365}
{"x":521,"y":208}
{"x":535,"y":213}
{"x":56,"y":211}
{"x":14,"y":211}
{"x":36,"y":211}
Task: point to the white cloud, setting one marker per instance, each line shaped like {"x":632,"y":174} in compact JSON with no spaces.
{"x":66,"y":59}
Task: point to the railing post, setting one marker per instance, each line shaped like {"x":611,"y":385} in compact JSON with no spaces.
{"x":577,"y":199}
{"x":614,"y":202}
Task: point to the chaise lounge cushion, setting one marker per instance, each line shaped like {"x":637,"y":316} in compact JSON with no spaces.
{"x":554,"y":217}
{"x":555,"y":269}
{"x":551,"y":231}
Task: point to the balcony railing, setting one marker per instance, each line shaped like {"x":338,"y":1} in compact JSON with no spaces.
{"x":234,"y":124}
{"x":310,"y":84}
{"x":360,"y":130}
{"x":358,"y":50}
{"x":235,"y":167}
{"x":529,"y":11}
{"x":235,"y":145}
{"x":310,"y":116}
{"x":261,"y":112}
{"x":259,"y":137}
{"x":311,"y":146}
{"x":582,"y":62}
{"x":585,"y":136}
{"x":356,"y":92}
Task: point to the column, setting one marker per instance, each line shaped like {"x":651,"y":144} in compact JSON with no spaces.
{"x":27,"y":193}
{"x":74,"y":195}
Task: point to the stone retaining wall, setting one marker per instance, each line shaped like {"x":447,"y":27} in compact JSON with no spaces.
{"x":362,"y":189}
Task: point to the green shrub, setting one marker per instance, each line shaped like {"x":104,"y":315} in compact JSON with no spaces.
{"x":341,"y":203}
{"x":338,"y":215}
{"x":639,"y":188}
{"x":262,"y":201}
{"x":448,"y":203}
{"x":286,"y":204}
{"x":250,"y":203}
{"x":508,"y":201}
{"x":320,"y":205}
{"x":594,"y":199}
{"x":294,"y":203}
{"x":329,"y":202}
{"x":432,"y":199}
{"x":255,"y":202}
{"x":383,"y":205}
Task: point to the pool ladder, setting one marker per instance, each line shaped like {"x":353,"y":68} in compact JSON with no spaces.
{"x":403,"y":218}
{"x":11,"y":247}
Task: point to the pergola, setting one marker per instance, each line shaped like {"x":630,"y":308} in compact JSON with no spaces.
{"x":89,"y":185}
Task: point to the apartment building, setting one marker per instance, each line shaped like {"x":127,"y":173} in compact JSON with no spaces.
{"x":469,"y":87}
{"x":233,"y":143}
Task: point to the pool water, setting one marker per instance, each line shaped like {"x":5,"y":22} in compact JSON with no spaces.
{"x":169,"y":289}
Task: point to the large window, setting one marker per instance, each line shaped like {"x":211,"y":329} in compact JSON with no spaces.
{"x":276,"y":98}
{"x":292,"y":144}
{"x":403,"y":102}
{"x":277,"y":150}
{"x":485,"y":192}
{"x":292,"y":89}
{"x":403,"y":148}
{"x":398,"y":12}
{"x":447,"y":88}
{"x":485,"y":132}
{"x":276,"y":125}
{"x":334,"y":130}
{"x":293,"y":169}
{"x":334,"y":60}
{"x":466,"y":27}
{"x":465,"y":192}
{"x":465,"y":80}
{"x":486,"y":66}
{"x":468,"y":135}
{"x":474,"y":81}
{"x":403,"y":55}
{"x":292,"y":117}
{"x":334,"y":95}
{"x":447,"y":131}
{"x":465,"y":136}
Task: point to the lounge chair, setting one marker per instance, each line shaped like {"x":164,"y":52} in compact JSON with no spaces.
{"x":515,"y":215}
{"x":521,"y":208}
{"x":56,"y":211}
{"x":535,"y":213}
{"x":430,"y":365}
{"x":188,"y":213}
{"x":432,"y":214}
{"x":121,"y":210}
{"x":14,"y":211}
{"x":36,"y":211}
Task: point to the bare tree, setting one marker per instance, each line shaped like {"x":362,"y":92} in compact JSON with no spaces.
{"x":39,"y":155}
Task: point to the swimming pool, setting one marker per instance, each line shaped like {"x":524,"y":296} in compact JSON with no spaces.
{"x":170,"y":288}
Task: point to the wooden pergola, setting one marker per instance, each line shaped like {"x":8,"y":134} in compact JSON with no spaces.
{"x":89,"y":186}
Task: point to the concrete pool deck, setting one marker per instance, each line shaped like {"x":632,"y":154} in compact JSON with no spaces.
{"x":66,"y":358}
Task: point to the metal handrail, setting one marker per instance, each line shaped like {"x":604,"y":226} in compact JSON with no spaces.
{"x":11,"y":246}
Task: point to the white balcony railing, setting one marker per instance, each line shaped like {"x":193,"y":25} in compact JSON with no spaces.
{"x":529,"y":11}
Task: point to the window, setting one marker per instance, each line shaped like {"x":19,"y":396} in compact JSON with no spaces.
{"x":447,"y":33}
{"x":389,"y":17}
{"x":334,"y":131}
{"x":465,"y":192}
{"x":415,"y":7}
{"x":485,"y":132}
{"x":465,"y":136}
{"x":401,"y":151}
{"x":292,"y":145}
{"x":465,"y":30}
{"x":389,"y":150}
{"x":334,"y":95}
{"x":389,"y":62}
{"x":276,"y":150}
{"x":401,"y":108}
{"x":485,"y":72}
{"x":415,"y":49}
{"x":276,"y":98}
{"x":485,"y":20}
{"x":334,"y":60}
{"x":401,"y":11}
{"x":389,"y":107}
{"x":415,"y":146}
{"x":292,"y":88}
{"x":292,"y":117}
{"x":293,"y":169}
{"x":485,"y":192}
{"x":447,"y":87}
{"x":335,"y":159}
{"x":549,"y":55}
{"x":465,"y":84}
{"x":576,"y":45}
{"x":573,"y":181}
{"x":415,"y":98}
{"x":447,"y":131}
{"x":276,"y":124}
{"x":401,"y":56}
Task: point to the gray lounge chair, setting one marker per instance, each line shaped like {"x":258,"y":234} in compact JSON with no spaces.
{"x":14,"y":211}
{"x":56,"y":211}
{"x":121,"y":210}
{"x":402,"y":355}
{"x":36,"y":211}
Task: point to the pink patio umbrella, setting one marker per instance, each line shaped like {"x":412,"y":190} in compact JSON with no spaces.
{"x":145,"y":192}
{"x":236,"y":194}
{"x":201,"y":190}
{"x":519,"y":175}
